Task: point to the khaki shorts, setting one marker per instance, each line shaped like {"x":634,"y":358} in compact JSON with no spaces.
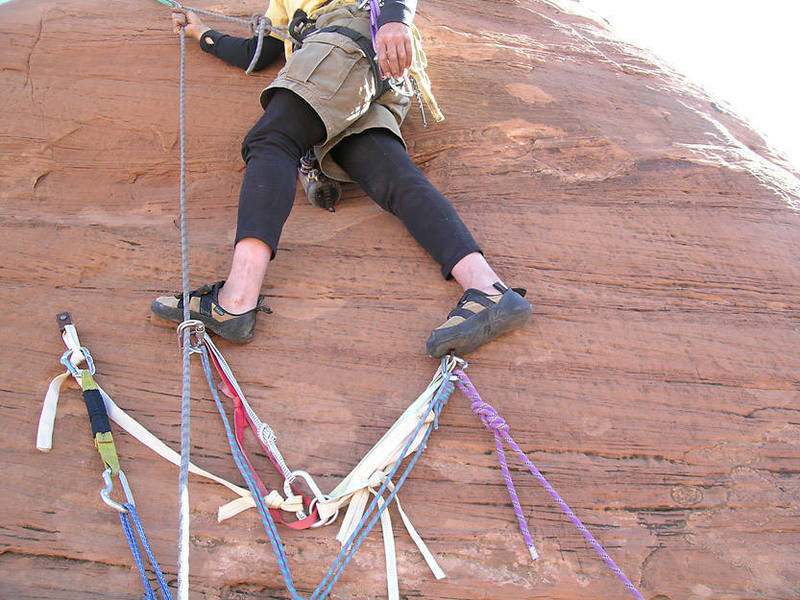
{"x":332,"y":74}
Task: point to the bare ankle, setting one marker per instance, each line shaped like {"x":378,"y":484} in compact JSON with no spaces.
{"x":235,"y":303}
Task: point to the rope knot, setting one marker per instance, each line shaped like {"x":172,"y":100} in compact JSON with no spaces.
{"x":265,"y":433}
{"x":488,"y":416}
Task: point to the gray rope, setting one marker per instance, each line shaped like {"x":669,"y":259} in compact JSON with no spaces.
{"x":262,"y":23}
{"x":282,"y":32}
{"x":183,"y":473}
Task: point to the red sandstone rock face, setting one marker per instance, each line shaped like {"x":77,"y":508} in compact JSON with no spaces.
{"x":656,"y":385}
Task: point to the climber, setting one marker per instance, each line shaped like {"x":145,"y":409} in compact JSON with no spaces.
{"x":327,"y":98}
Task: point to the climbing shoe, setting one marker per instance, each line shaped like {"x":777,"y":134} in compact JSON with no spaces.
{"x":479,"y":318}
{"x":322,"y":191}
{"x":203,"y":306}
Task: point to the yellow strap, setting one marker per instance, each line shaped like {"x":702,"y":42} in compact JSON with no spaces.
{"x":329,"y":7}
{"x":87,"y":381}
{"x":417,"y":71}
{"x":104,"y":443}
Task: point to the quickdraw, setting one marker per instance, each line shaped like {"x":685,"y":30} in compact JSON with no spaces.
{"x":104,"y":442}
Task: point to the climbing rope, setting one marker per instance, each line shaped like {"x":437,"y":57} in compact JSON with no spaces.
{"x":259,"y":20}
{"x":130,"y":523}
{"x":376,"y":507}
{"x":185,"y":329}
{"x":497,"y":425}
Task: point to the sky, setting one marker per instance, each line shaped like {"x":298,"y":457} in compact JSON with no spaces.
{"x":741,"y":52}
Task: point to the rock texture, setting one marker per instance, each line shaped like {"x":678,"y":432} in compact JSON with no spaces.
{"x":656,"y":386}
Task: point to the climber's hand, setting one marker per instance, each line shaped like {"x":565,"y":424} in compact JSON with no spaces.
{"x":190,"y":22}
{"x":393,"y":43}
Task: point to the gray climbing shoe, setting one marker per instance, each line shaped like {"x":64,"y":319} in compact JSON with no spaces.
{"x":479,"y":318}
{"x":321,"y":190}
{"x":203,"y":306}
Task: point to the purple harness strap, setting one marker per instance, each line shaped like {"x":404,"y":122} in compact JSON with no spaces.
{"x":374,"y":12}
{"x":497,"y":425}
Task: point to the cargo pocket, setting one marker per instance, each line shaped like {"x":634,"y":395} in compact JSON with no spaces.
{"x":323,"y":66}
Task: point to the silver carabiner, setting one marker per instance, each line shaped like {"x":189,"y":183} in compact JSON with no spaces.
{"x":74,"y":371}
{"x":105,"y":493}
{"x":197,"y":328}
{"x":330,"y":520}
{"x":447,"y":368}
{"x":287,"y":485}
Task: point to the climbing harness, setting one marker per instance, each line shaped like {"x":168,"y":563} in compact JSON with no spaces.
{"x":416,"y":83}
{"x":104,"y":442}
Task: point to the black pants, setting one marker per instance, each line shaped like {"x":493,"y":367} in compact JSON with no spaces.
{"x":375,"y":159}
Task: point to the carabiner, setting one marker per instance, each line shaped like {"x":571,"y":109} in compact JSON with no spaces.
{"x":105,"y":493}
{"x":287,"y":485}
{"x":330,"y":520}
{"x":74,"y":371}
{"x":198,"y":331}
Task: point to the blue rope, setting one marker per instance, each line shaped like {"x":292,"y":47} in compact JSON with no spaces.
{"x":362,"y":530}
{"x":244,"y":469}
{"x":367,"y":521}
{"x":131,"y":516}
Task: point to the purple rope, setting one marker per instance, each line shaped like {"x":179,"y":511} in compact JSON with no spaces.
{"x":497,"y":425}
{"x":374,"y":11}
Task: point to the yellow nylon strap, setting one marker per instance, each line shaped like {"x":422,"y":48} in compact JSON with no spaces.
{"x":104,"y":443}
{"x":329,"y":7}
{"x":417,"y":71}
{"x":87,"y":381}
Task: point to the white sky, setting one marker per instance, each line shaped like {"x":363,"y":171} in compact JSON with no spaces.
{"x":742,"y":52}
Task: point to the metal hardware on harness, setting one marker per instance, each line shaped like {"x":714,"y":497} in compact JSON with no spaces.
{"x":330,"y":519}
{"x":287,"y":485}
{"x":457,"y":362}
{"x":420,"y":103}
{"x":105,"y":493}
{"x":198,"y":331}
{"x":63,"y":319}
{"x":74,"y":371}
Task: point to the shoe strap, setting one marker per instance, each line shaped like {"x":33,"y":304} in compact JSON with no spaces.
{"x":503,"y":289}
{"x":206,"y":293}
{"x":470,"y":295}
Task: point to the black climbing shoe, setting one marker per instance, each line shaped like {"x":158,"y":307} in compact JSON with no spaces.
{"x":203,"y":306}
{"x":479,"y":318}
{"x":322,"y":191}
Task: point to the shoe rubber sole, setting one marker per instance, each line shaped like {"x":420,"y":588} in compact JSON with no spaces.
{"x":511,"y":312}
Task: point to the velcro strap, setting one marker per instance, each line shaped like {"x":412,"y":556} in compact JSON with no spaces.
{"x":206,"y":304}
{"x":484,"y":301}
{"x":461,"y":312}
